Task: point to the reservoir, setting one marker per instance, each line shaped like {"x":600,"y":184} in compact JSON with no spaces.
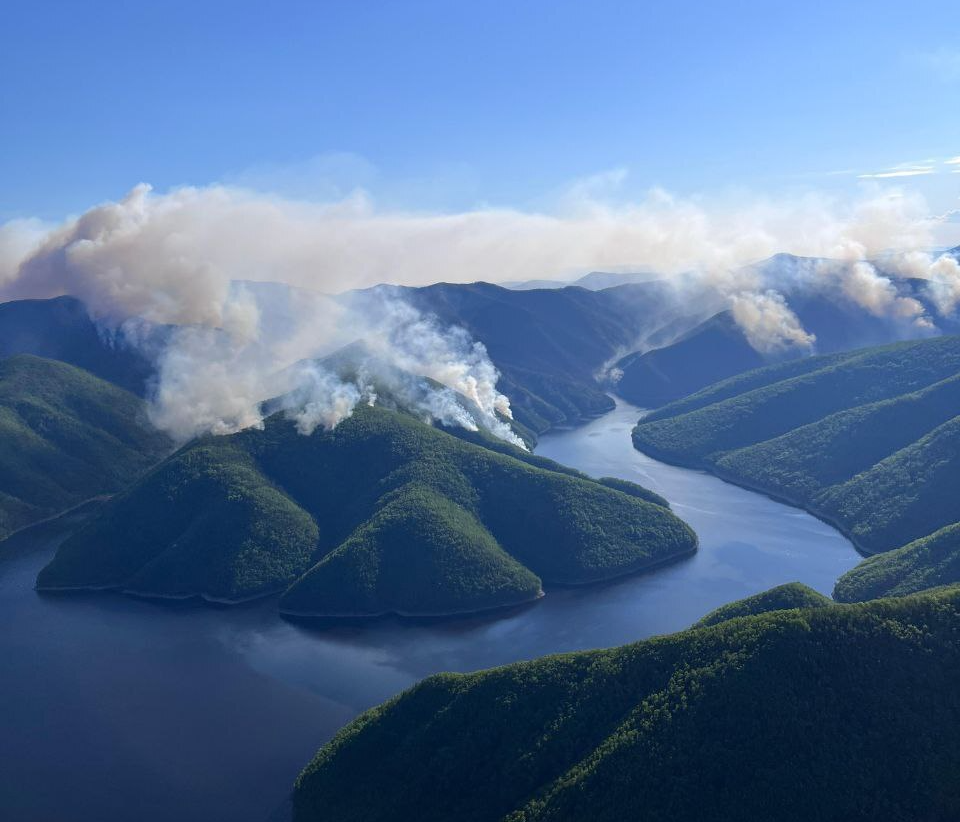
{"x":113,"y":708}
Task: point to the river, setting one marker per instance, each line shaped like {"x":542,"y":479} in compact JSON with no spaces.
{"x":113,"y":708}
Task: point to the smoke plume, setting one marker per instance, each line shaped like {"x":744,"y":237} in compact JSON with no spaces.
{"x":177,"y":258}
{"x":769,"y":323}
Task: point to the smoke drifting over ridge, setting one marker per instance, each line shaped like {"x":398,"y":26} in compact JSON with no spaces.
{"x":217,"y":379}
{"x":176,"y":258}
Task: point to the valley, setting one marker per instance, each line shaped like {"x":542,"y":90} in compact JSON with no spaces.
{"x":218,"y":710}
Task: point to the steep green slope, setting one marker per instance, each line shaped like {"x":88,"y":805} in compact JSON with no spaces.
{"x":868,"y":440}
{"x":633,"y":490}
{"x":382,"y":514}
{"x":403,"y":554}
{"x":907,"y":495}
{"x":793,"y":465}
{"x":781,"y":598}
{"x":925,"y":563}
{"x":65,"y":436}
{"x":776,"y":408}
{"x":838,"y":712}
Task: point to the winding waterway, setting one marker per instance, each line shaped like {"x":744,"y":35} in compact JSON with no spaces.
{"x":115,"y":709}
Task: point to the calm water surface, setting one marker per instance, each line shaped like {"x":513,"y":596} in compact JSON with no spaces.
{"x":118,"y":709}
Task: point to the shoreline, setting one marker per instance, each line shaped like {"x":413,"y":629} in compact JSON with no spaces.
{"x":713,"y":471}
{"x":203,"y":598}
{"x":73,"y":509}
{"x":147,"y":595}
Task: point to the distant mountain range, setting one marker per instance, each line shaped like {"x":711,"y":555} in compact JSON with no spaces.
{"x":548,"y":345}
{"x":594,"y":281}
{"x":719,"y":348}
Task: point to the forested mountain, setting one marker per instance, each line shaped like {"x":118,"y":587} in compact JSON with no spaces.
{"x":61,"y":329}
{"x":868,"y":440}
{"x":781,"y":598}
{"x":66,"y":436}
{"x":383,"y":514}
{"x":549,"y":344}
{"x":925,"y":563}
{"x":835,"y":712}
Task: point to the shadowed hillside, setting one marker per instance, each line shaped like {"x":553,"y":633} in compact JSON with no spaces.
{"x":60,"y":329}
{"x":831,"y":712}
{"x":549,"y":344}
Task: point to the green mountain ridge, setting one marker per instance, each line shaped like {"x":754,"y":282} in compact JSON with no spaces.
{"x":782,"y":598}
{"x":383,"y":514}
{"x":869,"y":441}
{"x":66,"y":436}
{"x":831,"y":712}
{"x":928,"y":562}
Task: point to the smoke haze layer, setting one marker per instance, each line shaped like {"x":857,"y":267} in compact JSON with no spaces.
{"x":176,"y":258}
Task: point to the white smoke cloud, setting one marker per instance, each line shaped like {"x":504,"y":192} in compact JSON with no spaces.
{"x":322,"y":399}
{"x":217,"y":379}
{"x":942,"y":274}
{"x":417,"y":344}
{"x":769,"y":323}
{"x":876,"y":293}
{"x":173,"y":257}
{"x":170,"y":257}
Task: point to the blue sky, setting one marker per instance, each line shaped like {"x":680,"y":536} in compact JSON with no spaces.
{"x":448,"y":106}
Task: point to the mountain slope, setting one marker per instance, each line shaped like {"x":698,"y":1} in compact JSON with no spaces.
{"x":66,"y":436}
{"x":712,"y":351}
{"x":925,"y":563}
{"x":383,"y":514}
{"x":781,"y":598}
{"x":718,"y":348}
{"x":837,"y":712}
{"x":549,"y":344}
{"x":869,"y":441}
{"x":61,"y":329}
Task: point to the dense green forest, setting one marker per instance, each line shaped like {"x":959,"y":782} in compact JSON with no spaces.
{"x":66,"y":436}
{"x":833,"y":712}
{"x":781,"y":598}
{"x":925,"y":563}
{"x":868,"y":440}
{"x":383,"y":514}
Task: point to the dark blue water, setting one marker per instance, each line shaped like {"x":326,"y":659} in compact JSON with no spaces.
{"x":118,"y":709}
